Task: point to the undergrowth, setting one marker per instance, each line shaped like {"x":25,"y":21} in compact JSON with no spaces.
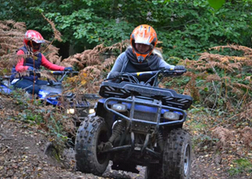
{"x":241,"y":165}
{"x":52,"y":120}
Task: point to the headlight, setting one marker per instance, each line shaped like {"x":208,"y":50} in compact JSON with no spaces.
{"x":91,"y":111}
{"x":70,"y":111}
{"x":119,"y":107}
{"x":171,"y":116}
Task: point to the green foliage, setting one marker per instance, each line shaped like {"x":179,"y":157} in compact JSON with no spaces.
{"x":216,"y":4}
{"x":186,"y":28}
{"x":197,"y":109}
{"x":176,"y":83}
{"x":241,"y":165}
{"x":31,"y":116}
{"x":196,"y":29}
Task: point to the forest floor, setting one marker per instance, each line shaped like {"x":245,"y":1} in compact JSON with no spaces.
{"x":24,"y":150}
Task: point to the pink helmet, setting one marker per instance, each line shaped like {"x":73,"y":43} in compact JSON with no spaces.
{"x":33,"y":39}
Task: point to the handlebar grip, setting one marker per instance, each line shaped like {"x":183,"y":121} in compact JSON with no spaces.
{"x":64,"y":72}
{"x":174,"y":72}
{"x":57,"y":72}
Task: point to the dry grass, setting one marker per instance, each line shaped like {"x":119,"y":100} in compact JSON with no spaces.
{"x":233,"y":138}
{"x":218,"y":73}
{"x":11,"y":38}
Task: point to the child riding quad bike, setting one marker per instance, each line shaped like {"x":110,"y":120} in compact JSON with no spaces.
{"x":53,"y":92}
{"x":137,"y":123}
{"x":77,"y":105}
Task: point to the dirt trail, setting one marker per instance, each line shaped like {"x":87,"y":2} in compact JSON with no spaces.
{"x":22,"y":155}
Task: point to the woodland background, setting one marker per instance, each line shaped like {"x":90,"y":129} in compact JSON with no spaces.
{"x":213,"y":39}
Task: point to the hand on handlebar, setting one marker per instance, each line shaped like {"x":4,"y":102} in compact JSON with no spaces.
{"x":31,"y":69}
{"x":115,"y":74}
{"x":179,"y":69}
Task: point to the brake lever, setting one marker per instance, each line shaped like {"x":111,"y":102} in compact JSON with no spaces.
{"x":53,"y":83}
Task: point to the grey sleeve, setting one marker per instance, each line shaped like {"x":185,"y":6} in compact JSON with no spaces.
{"x":164,"y":64}
{"x":118,"y":65}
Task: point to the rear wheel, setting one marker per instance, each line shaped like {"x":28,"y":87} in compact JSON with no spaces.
{"x":177,"y":155}
{"x":92,"y":132}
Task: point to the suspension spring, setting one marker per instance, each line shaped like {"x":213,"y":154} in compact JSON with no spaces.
{"x":160,"y":141}
{"x":116,"y":131}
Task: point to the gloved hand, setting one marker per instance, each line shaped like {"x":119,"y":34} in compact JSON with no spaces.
{"x":180,"y":69}
{"x":68,"y":69}
{"x":31,"y":69}
{"x":114,"y":74}
{"x":33,"y":72}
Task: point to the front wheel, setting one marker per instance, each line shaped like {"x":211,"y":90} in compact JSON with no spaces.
{"x":92,"y":132}
{"x":177,"y":155}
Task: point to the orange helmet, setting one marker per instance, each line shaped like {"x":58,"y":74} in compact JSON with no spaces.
{"x":143,"y":34}
{"x":33,"y":39}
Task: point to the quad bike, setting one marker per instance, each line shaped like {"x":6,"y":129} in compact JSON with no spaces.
{"x":77,"y":105}
{"x":137,"y":123}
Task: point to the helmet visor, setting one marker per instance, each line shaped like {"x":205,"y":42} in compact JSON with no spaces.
{"x":141,"y":40}
{"x":38,"y":41}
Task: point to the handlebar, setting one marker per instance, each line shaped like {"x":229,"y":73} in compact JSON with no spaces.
{"x":166,"y":72}
{"x":149,"y":76}
{"x":174,"y":72}
{"x":38,"y":72}
{"x":55,"y":82}
{"x":64,"y":72}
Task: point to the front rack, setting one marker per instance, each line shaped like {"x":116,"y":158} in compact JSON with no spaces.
{"x":125,"y":89}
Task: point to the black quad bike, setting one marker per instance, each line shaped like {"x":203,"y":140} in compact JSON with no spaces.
{"x":137,"y":123}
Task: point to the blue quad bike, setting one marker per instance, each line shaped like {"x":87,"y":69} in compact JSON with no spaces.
{"x":76,"y":105}
{"x":137,"y":123}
